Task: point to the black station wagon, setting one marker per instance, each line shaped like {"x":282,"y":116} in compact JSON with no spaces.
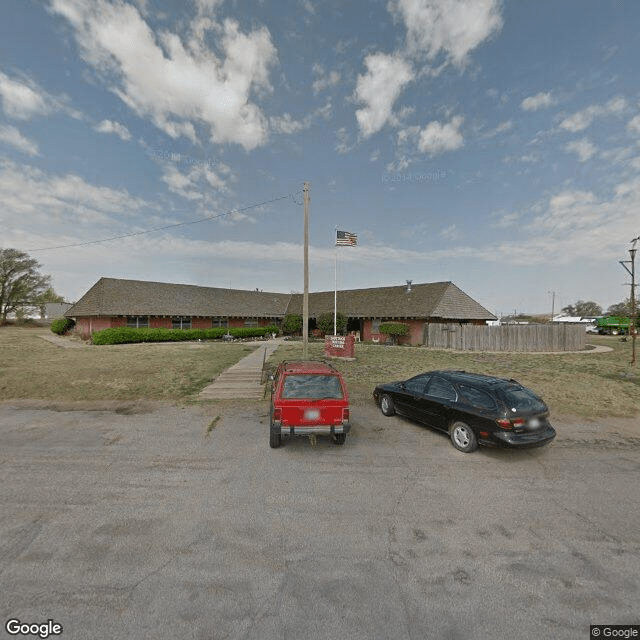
{"x":472,"y":408}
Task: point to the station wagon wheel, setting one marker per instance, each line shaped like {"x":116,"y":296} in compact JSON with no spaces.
{"x":462,"y":437}
{"x":386,"y":405}
{"x":339,"y":438}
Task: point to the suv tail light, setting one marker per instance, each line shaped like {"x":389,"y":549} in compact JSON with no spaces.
{"x":345,"y":415}
{"x":277,"y":414}
{"x":514,"y":423}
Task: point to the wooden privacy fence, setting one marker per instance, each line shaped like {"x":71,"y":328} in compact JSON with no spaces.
{"x":507,"y":337}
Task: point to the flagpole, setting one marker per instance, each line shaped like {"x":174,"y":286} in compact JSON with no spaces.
{"x":305,"y":295}
{"x":335,"y":284}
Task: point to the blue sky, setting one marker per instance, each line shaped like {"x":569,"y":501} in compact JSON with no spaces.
{"x":493,"y":144}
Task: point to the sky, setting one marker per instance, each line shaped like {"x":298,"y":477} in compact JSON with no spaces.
{"x":494,"y":144}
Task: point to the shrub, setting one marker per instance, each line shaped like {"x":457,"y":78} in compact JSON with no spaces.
{"x":292,"y":324}
{"x":394,"y":329}
{"x":62,"y":325}
{"x":325,"y":322}
{"x":126,"y":335}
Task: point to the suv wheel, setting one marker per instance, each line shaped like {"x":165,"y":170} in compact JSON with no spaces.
{"x":462,"y":437}
{"x":339,"y":438}
{"x":386,"y":405}
{"x":275,"y":438}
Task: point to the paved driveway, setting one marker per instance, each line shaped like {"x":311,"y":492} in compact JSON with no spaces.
{"x":136,"y":523}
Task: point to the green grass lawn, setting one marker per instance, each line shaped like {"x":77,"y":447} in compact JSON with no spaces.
{"x":591,"y":385}
{"x":584,"y":384}
{"x":32,"y":368}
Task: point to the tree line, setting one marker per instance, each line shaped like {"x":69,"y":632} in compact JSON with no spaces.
{"x":590,"y":309}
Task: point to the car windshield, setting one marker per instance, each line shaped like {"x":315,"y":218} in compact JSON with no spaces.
{"x":311,"y":386}
{"x":520,"y":399}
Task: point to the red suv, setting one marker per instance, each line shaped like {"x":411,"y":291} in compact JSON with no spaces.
{"x":306,"y":398}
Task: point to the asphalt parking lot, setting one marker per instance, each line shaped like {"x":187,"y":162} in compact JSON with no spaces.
{"x":149,"y":521}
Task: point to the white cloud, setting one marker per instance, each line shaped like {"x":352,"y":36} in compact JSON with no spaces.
{"x":581,"y":120}
{"x":503,"y":127}
{"x":23,"y":99}
{"x":379,"y":88}
{"x":506,"y":220}
{"x":323,"y":80}
{"x":173,"y":84}
{"x":450,"y":233}
{"x":286,"y":124}
{"x":530,"y":158}
{"x":634,"y":125}
{"x":308,"y":6}
{"x":33,"y":198}
{"x":343,"y":145}
{"x":108,"y":126}
{"x":584,"y":149}
{"x":12,"y":136}
{"x":449,"y":27}
{"x":438,"y":138}
{"x":541,"y":100}
{"x":196,"y":183}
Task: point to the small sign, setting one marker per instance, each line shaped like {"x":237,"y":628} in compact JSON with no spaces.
{"x":339,"y":346}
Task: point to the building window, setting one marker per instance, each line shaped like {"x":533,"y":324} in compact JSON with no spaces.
{"x":138,"y":322}
{"x":219,"y":322}
{"x":375,"y":325}
{"x":181,"y":322}
{"x":251,"y":322}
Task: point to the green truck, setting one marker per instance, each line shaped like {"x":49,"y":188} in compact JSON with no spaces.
{"x":613,"y":325}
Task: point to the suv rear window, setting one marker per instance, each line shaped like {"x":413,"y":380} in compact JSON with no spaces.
{"x":311,"y":386}
{"x":522,"y":399}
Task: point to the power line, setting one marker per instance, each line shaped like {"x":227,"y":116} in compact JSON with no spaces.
{"x":168,"y":226}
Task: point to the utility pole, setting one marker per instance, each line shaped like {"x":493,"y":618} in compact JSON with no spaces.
{"x":305,"y":295}
{"x":553,"y":304}
{"x":632,"y":298}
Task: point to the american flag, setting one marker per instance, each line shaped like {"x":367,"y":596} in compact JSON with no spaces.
{"x":346,"y":239}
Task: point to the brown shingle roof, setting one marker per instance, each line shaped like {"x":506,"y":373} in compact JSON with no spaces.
{"x":114,"y":297}
{"x":432,"y":300}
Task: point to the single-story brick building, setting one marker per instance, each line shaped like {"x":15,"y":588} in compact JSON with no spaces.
{"x":117,"y":303}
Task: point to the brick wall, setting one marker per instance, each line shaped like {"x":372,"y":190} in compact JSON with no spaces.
{"x":159,"y":322}
{"x":87,"y":325}
{"x":339,"y":346}
{"x":414,"y":337}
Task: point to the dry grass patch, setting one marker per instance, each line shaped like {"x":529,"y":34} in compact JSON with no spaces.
{"x":582,"y":384}
{"x":33,"y":368}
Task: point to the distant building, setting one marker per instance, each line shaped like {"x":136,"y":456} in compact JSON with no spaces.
{"x":573,"y":319}
{"x":118,"y":303}
{"x":53,"y":310}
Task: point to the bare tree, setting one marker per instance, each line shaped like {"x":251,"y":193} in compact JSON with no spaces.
{"x":21,"y":284}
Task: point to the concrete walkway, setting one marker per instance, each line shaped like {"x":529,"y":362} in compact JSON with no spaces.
{"x":242,"y":380}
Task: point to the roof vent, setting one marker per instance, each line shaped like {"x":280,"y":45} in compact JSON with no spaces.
{"x":409,"y":286}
